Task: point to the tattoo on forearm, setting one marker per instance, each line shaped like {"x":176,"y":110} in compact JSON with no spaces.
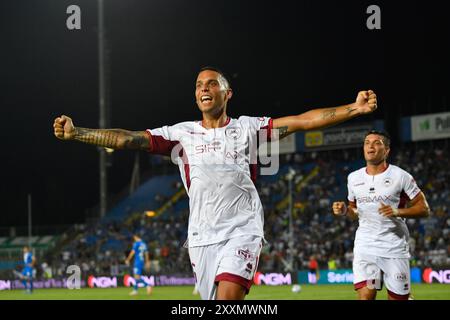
{"x":282,"y":132}
{"x":136,"y":140}
{"x":112,"y":138}
{"x":350,"y":109}
{"x":329,"y":114}
{"x":98,"y":137}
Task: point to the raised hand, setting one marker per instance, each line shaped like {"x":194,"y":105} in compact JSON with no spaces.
{"x":366,"y":101}
{"x":63,"y":128}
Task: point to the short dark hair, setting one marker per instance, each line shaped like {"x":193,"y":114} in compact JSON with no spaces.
{"x":215,"y":69}
{"x":384,"y":134}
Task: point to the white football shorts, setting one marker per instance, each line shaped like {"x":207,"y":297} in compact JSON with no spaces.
{"x":234,"y":260}
{"x":372,"y":271}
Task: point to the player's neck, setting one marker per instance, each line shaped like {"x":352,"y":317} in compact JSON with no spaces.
{"x":376,"y":168}
{"x":214,"y":121}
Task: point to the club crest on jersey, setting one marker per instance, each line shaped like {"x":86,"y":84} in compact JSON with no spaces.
{"x":387,"y":182}
{"x":244,"y":253}
{"x":234,"y":133}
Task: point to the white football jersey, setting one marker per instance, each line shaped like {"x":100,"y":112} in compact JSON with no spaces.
{"x":376,"y":234}
{"x":218,"y":168}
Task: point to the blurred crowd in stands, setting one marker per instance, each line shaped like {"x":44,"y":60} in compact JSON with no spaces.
{"x":319,"y":179}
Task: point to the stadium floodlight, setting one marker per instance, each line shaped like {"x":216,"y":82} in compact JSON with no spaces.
{"x":29,"y":220}
{"x":103,"y":106}
{"x":290,"y":176}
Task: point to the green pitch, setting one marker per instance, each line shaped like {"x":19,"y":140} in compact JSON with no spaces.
{"x":308,"y":292}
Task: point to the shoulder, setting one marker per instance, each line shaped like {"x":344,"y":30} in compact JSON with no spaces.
{"x":356,"y":174}
{"x":252,"y":118}
{"x":185,"y":125}
{"x":257,"y":122}
{"x":244,"y":119}
{"x":399,"y":171}
{"x":174,"y":131}
{"x":179,"y":125}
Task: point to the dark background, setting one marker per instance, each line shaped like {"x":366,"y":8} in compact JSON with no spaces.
{"x":282,"y":57}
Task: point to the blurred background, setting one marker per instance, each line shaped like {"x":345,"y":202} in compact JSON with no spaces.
{"x":133,"y":65}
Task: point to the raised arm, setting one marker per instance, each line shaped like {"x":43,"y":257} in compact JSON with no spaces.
{"x":366,"y":102}
{"x":109,"y":138}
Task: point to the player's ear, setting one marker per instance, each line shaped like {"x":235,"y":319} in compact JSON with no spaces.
{"x":387,"y":152}
{"x":229,"y":94}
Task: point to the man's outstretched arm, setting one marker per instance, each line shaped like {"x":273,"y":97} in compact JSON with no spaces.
{"x":366,"y":102}
{"x":109,"y":138}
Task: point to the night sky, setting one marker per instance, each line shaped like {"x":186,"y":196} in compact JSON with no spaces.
{"x":282,"y":57}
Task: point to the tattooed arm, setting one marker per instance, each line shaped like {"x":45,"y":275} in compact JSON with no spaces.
{"x":366,"y":102}
{"x":110,"y":138}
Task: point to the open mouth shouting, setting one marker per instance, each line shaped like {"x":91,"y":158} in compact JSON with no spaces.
{"x":206,"y":98}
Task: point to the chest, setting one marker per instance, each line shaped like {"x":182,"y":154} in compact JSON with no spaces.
{"x":374,"y":190}
{"x":223,"y":145}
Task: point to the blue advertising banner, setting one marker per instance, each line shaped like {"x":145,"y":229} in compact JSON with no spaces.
{"x":341,"y":276}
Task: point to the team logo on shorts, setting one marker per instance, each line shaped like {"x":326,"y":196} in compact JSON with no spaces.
{"x":249,"y":267}
{"x":234,"y":133}
{"x":387,"y":182}
{"x":245,"y":254}
{"x":400,"y":276}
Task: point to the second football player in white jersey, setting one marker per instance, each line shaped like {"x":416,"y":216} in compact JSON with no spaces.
{"x":378,"y":196}
{"x":217,"y":164}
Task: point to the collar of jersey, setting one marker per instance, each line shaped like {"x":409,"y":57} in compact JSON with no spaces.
{"x":200,"y":123}
{"x":379,"y":174}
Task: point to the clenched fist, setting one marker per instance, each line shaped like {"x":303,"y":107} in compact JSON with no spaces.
{"x":64,"y":128}
{"x":388,"y":211}
{"x":366,"y":101}
{"x":339,"y":208}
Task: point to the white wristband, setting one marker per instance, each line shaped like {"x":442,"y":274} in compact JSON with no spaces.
{"x":395,"y":211}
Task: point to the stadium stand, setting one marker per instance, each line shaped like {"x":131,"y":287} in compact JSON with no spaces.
{"x":320,"y":179}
